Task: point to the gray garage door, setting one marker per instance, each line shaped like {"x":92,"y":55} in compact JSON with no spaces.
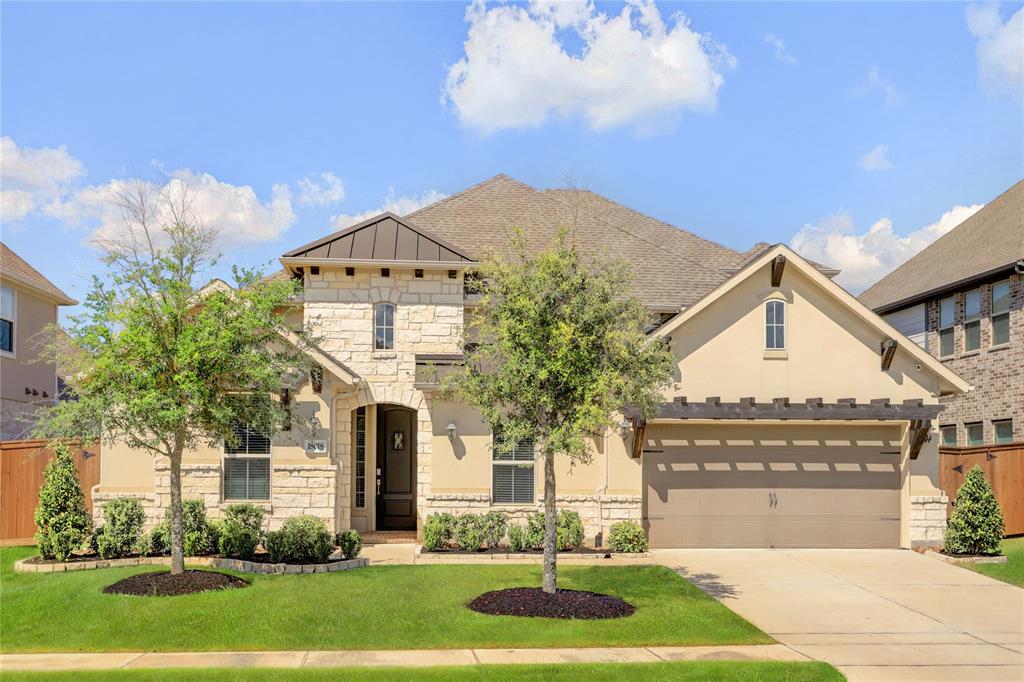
{"x":775,"y":489}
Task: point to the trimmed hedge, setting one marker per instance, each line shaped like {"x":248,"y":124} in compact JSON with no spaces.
{"x":350,"y":542}
{"x":438,"y":530}
{"x":627,"y":536}
{"x":121,"y":532}
{"x":302,"y":539}
{"x":241,"y":531}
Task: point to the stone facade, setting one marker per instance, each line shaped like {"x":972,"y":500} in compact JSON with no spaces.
{"x":928,"y":520}
{"x":997,"y":374}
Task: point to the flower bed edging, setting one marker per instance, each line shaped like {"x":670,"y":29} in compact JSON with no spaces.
{"x":949,"y":559}
{"x":24,"y":566}
{"x":562,"y":556}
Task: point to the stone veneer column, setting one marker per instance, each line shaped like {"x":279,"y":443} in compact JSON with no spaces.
{"x":928,"y":520}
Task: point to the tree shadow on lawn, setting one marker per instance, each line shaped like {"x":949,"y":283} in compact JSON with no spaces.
{"x":599,"y":579}
{"x":709,"y":583}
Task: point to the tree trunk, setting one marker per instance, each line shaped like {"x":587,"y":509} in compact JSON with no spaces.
{"x":550,"y":525}
{"x":177,"y":550}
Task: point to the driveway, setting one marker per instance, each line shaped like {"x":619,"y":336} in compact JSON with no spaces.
{"x":874,"y":614}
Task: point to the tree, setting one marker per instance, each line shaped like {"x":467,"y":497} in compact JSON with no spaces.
{"x":558,"y":347}
{"x":976,"y":524}
{"x":162,"y":365}
{"x":61,"y":517}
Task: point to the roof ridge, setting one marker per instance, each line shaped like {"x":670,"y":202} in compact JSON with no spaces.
{"x":439,"y":202}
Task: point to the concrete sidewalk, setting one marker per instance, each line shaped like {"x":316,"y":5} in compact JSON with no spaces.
{"x":401,"y":658}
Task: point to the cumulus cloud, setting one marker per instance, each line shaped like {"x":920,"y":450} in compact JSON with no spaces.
{"x":781,"y":53}
{"x":633,"y":68}
{"x":865,"y":257}
{"x":400,"y":206}
{"x":31,"y":178}
{"x":1000,"y":47}
{"x":875,"y":82}
{"x":321,"y":190}
{"x":876,"y":160}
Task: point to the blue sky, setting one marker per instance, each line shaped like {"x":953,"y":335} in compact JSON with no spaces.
{"x":857,"y":132}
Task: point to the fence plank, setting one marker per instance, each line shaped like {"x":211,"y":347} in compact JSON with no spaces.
{"x":21,"y":474}
{"x":1003,"y":466}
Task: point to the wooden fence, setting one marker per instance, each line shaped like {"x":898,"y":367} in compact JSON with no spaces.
{"x":1004,"y":468}
{"x":21,"y":473}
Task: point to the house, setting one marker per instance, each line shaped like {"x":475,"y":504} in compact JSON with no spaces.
{"x":797,"y":418}
{"x":962,"y":300}
{"x":28,"y":306}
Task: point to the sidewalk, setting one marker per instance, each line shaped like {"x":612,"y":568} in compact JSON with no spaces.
{"x":400,"y":658}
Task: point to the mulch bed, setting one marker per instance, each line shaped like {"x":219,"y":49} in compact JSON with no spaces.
{"x":536,"y":603}
{"x":162,"y":584}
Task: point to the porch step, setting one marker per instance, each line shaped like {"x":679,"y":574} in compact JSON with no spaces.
{"x":389,"y":537}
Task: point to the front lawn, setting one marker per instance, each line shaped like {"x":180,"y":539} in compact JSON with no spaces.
{"x":702,"y":671}
{"x":1013,"y":570}
{"x":382,"y":607}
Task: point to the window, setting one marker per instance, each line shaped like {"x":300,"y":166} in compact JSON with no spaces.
{"x":775,"y":325}
{"x":247,"y":465}
{"x":512,"y":473}
{"x":946,"y":317}
{"x":948,"y":435}
{"x":1000,"y":313}
{"x":972,"y":320}
{"x":361,"y":457}
{"x":1004,"y":430}
{"x":7,"y":309}
{"x":383,"y":326}
{"x":975,"y":433}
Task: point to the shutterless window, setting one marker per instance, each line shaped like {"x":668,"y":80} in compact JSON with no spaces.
{"x":972,"y":320}
{"x":1000,"y":313}
{"x":948,"y":435}
{"x":975,"y":433}
{"x":1004,"y":430}
{"x":7,"y":305}
{"x":361,"y":457}
{"x":946,"y":317}
{"x":247,"y":465}
{"x":383,"y":326}
{"x":775,"y":325}
{"x":512,"y":473}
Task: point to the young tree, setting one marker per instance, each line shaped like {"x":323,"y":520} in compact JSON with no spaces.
{"x":976,"y":524}
{"x":558,"y":347}
{"x":163,"y":365}
{"x":62,"y":520}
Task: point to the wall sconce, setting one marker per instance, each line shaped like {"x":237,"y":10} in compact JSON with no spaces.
{"x":624,"y":428}
{"x":451,"y":430}
{"x":314,"y":424}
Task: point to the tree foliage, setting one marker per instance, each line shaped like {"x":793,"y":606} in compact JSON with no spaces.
{"x":976,"y":524}
{"x":61,"y":517}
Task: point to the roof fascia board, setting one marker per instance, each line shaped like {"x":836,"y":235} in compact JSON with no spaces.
{"x":36,"y":291}
{"x":979,"y":279}
{"x":299,"y":261}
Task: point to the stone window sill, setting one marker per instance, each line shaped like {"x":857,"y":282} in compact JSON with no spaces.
{"x":383,"y":355}
{"x":776,"y":355}
{"x":1002,"y":346}
{"x":971,"y":354}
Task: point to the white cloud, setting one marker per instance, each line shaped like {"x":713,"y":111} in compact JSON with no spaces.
{"x":781,"y":53}
{"x":400,"y":206}
{"x":31,"y":178}
{"x":322,"y":190}
{"x":876,"y":160}
{"x":875,"y":81}
{"x":866,"y":257}
{"x":1000,"y":47}
{"x":633,"y":68}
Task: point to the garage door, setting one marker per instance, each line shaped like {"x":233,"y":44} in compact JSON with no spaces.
{"x":772,"y":487}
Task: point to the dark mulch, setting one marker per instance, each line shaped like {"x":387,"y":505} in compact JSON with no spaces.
{"x":536,"y":603}
{"x":163,"y":584}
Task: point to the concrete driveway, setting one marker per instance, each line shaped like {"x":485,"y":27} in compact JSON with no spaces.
{"x":874,"y":614}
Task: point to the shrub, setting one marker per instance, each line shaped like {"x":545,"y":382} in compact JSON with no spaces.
{"x":60,"y":516}
{"x":121,"y":532}
{"x":516,"y":538}
{"x":302,"y":539}
{"x":437,"y":531}
{"x":157,"y":541}
{"x":241,"y":531}
{"x":198,"y":535}
{"x":627,"y":536}
{"x":569,"y":531}
{"x":350,"y":543}
{"x":535,"y":530}
{"x":493,"y":525}
{"x":469,"y":532}
{"x":976,"y":524}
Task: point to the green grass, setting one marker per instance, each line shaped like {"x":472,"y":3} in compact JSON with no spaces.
{"x":704,"y":671}
{"x":1013,"y":570}
{"x":381,"y":607}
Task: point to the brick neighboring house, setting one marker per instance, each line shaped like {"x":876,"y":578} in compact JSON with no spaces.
{"x":962,"y":300}
{"x":29,"y":304}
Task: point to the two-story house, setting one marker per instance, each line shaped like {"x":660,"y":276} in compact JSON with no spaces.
{"x":962,"y":300}
{"x":797,"y":417}
{"x":28,"y":306}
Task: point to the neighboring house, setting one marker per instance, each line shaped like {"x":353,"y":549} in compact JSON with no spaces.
{"x":28,"y":305}
{"x":805,"y":422}
{"x":962,"y":300}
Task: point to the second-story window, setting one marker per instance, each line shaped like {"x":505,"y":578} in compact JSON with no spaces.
{"x":383,"y":326}
{"x":7,"y":305}
{"x":972,"y":320}
{"x":1000,"y":313}
{"x":946,"y":318}
{"x":775,"y":325}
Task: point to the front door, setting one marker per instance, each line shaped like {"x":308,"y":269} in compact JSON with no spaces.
{"x":396,"y":468}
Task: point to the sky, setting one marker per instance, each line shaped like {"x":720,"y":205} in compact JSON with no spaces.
{"x":855,"y":132}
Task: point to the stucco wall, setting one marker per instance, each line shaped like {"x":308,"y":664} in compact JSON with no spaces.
{"x":19,"y":370}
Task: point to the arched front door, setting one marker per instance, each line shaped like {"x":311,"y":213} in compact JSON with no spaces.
{"x":396,"y":468}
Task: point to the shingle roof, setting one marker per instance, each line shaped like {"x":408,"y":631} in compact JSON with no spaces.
{"x":12,"y":266}
{"x":987,"y":242}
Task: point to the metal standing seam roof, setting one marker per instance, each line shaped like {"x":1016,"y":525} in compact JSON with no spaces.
{"x":385,"y":237}
{"x":989,"y":241}
{"x":14,"y":267}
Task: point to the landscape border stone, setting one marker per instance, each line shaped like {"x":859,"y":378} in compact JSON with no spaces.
{"x":24,"y":566}
{"x":1000,"y":559}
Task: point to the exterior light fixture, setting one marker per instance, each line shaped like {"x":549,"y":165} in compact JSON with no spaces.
{"x":451,"y":430}
{"x":624,"y":428}
{"x":314,"y":424}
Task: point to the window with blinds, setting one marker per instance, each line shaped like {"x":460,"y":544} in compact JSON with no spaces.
{"x":246,"y":470}
{"x":360,"y":468}
{"x":512,"y":473}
